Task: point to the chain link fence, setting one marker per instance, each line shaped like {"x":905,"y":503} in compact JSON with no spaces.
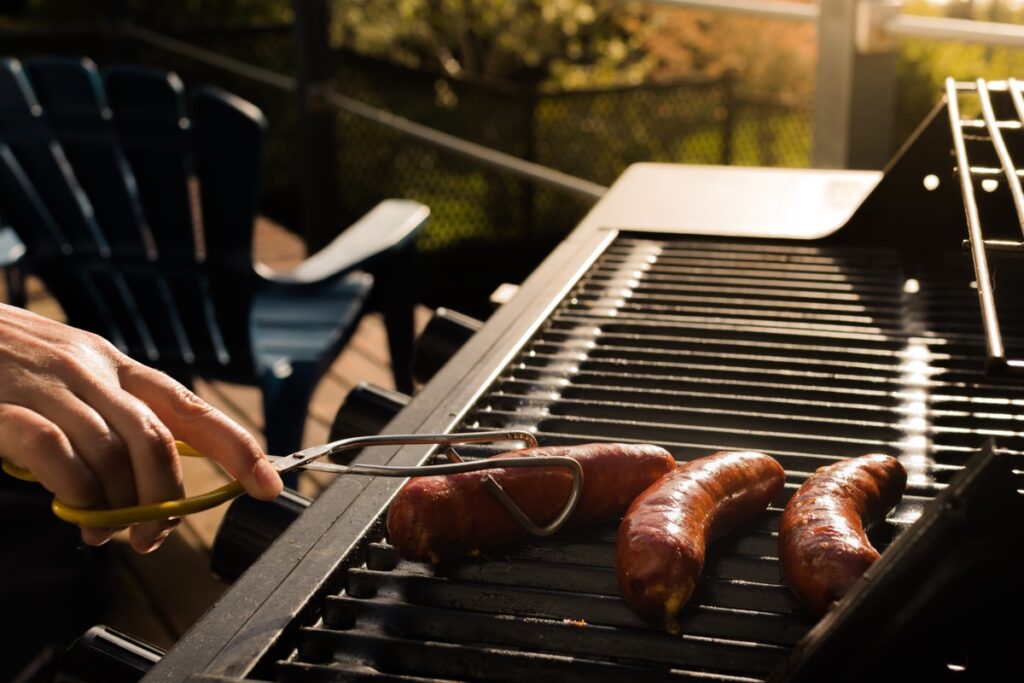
{"x":592,"y":134}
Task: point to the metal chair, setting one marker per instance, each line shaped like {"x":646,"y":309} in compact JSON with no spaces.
{"x":138,"y":216}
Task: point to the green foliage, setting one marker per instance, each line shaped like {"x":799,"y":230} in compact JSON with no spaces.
{"x":923,"y":65}
{"x":563,"y":42}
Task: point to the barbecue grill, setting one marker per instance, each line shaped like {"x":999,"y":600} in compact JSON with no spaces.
{"x":812,"y":315}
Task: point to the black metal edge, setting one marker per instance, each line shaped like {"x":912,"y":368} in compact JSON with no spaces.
{"x":864,"y":619}
{"x":275,"y":594}
{"x":901,"y":197}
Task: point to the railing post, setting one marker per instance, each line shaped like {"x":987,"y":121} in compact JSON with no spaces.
{"x":855,"y":92}
{"x":318,"y":167}
{"x":729,"y":122}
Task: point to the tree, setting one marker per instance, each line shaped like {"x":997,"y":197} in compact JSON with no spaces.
{"x":564,"y":41}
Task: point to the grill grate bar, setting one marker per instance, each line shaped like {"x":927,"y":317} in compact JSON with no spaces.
{"x":958,"y":405}
{"x":581,"y":638}
{"x":599,"y":296}
{"x":692,"y":449}
{"x":698,"y":253}
{"x":976,"y":405}
{"x":589,"y":335}
{"x":678,"y":416}
{"x":789,"y":249}
{"x":727,"y":279}
{"x":609,"y":610}
{"x":665,"y":381}
{"x":458,"y":662}
{"x":815,"y":278}
{"x":582,"y":339}
{"x":768,"y":366}
{"x":658,"y":311}
{"x":738,"y":436}
{"x":721,"y":289}
{"x":611,"y":352}
{"x":753,"y":329}
{"x":513,"y":391}
{"x":765,"y":325}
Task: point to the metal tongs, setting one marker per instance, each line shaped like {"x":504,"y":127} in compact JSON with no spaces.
{"x":307,"y":459}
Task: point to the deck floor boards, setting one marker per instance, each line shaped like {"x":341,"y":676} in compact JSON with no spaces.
{"x":158,"y":596}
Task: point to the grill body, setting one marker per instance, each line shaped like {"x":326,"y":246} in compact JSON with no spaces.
{"x":864,"y":339}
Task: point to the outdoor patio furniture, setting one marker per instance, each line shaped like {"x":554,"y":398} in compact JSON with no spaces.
{"x":138,"y":216}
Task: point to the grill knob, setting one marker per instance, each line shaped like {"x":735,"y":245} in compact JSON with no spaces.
{"x":249,"y":527}
{"x":104,"y":655}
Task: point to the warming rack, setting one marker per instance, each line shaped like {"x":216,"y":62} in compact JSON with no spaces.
{"x":989,"y":130}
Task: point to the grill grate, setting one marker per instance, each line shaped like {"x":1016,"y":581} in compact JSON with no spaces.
{"x":808,"y":353}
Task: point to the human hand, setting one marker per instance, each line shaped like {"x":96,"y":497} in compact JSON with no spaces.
{"x":95,"y":427}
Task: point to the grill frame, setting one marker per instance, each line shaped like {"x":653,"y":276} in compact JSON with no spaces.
{"x":282,"y":592}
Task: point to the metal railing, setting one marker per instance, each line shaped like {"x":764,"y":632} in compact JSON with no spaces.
{"x":891,"y":22}
{"x":965,"y":30}
{"x":765,"y":9}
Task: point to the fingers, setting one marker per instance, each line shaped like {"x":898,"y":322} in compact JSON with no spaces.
{"x":33,"y":442}
{"x":152,"y":455}
{"x":96,"y":427}
{"x":204,"y":428}
{"x":91,"y":437}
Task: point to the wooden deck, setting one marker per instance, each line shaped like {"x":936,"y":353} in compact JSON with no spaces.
{"x":157,"y":597}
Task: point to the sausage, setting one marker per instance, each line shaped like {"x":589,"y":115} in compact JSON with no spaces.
{"x":438,"y":517}
{"x":660,"y":548}
{"x":823,"y":549}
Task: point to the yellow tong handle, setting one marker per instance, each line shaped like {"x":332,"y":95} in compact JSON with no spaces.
{"x":138,"y":513}
{"x":170,"y":509}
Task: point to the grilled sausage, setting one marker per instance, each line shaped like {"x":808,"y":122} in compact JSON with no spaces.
{"x":660,"y":549}
{"x":437,"y":517}
{"x":822,"y":545}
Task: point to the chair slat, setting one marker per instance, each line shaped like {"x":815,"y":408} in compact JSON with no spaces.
{"x":71,"y":94}
{"x":149,"y":115}
{"x":61,"y":214}
{"x":227,"y":134}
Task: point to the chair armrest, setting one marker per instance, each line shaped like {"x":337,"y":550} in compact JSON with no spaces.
{"x":388,"y":226}
{"x":11,"y":248}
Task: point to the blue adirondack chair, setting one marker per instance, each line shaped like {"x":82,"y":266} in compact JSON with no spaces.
{"x":138,"y":216}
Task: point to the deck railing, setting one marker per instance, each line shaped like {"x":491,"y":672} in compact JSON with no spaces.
{"x":854,"y":106}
